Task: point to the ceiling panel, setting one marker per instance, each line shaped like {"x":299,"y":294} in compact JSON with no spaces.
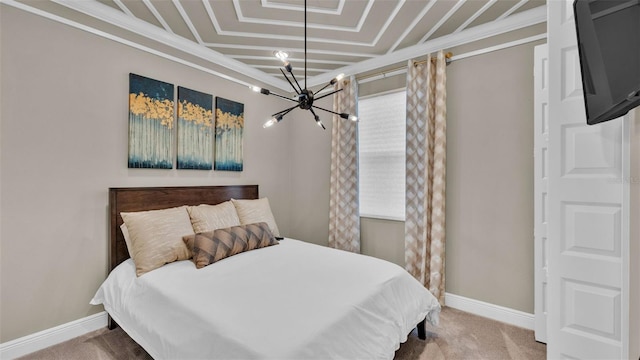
{"x":243,"y":34}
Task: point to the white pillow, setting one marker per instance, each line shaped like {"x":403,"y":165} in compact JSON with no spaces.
{"x":255,"y":211}
{"x":212,"y":217}
{"x":156,"y":237}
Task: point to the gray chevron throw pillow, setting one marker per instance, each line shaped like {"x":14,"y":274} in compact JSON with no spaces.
{"x":211,"y":246}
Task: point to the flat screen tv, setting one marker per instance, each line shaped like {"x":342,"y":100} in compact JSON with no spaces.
{"x":609,"y":47}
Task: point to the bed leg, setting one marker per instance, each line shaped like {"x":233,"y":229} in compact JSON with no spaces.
{"x":111,"y":324}
{"x":421,"y":332}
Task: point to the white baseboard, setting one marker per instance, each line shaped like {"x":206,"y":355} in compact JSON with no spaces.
{"x":491,"y":311}
{"x":40,"y":340}
{"x":55,"y":335}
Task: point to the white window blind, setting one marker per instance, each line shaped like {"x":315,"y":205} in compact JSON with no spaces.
{"x":382,"y":139}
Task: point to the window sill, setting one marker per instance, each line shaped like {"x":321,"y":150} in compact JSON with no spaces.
{"x":382,"y":217}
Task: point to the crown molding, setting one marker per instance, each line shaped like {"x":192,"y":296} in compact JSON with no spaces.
{"x":116,"y":18}
{"x":119,"y":19}
{"x":514,"y":22}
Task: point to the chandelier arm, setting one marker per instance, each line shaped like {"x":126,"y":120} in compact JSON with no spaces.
{"x":285,"y":111}
{"x":296,"y":80}
{"x":317,"y":118}
{"x":284,"y":97}
{"x":290,"y":83}
{"x":327,"y":110}
{"x":324,"y":87}
{"x":327,"y":94}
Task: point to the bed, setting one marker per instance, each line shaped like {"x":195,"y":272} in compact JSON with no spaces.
{"x":291,"y":301}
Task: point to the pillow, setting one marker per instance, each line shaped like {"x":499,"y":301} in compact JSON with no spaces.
{"x":254,"y":211}
{"x":127,"y":238}
{"x":211,"y":246}
{"x":156,"y":237}
{"x":211,"y":217}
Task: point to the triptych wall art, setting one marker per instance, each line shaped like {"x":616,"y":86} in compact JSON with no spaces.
{"x":152,"y":119}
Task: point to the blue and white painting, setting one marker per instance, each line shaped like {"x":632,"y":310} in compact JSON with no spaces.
{"x":151,"y":121}
{"x":229,"y":128}
{"x":195,"y":130}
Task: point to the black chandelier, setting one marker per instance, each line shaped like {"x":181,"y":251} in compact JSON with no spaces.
{"x":304,"y":97}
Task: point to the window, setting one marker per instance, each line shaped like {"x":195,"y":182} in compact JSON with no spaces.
{"x":382,"y":143}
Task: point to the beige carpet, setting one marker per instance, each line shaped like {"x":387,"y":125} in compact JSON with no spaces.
{"x":459,"y":336}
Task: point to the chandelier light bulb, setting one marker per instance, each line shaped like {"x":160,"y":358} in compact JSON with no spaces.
{"x":339,"y":77}
{"x":353,"y":118}
{"x":255,"y":88}
{"x":270,"y":123}
{"x":282,"y":55}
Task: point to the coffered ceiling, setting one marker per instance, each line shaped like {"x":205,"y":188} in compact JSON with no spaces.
{"x":343,"y":35}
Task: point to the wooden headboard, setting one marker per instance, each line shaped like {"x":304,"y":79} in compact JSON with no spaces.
{"x":155,"y":198}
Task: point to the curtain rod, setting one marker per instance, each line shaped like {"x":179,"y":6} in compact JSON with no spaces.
{"x":447,"y":59}
{"x":400,"y":69}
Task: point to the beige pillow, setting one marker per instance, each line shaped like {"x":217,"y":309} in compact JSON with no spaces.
{"x":211,"y":217}
{"x":255,"y":211}
{"x":156,"y":237}
{"x":127,"y":238}
{"x":211,"y":246}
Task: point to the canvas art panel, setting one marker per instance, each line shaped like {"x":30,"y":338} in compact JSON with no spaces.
{"x":229,"y":128}
{"x":151,"y":121}
{"x":195,"y":130}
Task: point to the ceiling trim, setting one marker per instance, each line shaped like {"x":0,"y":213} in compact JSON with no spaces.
{"x":118,"y":39}
{"x":123,"y":7}
{"x":119,"y":19}
{"x":474,"y":16}
{"x":372,"y":43}
{"x":514,"y":22}
{"x":413,"y":24}
{"x":291,"y":59}
{"x":512,"y":9}
{"x":114,"y":17}
{"x":252,"y":20}
{"x":290,"y":50}
{"x":187,"y":21}
{"x":157,"y":15}
{"x":312,"y":9}
{"x":446,"y":17}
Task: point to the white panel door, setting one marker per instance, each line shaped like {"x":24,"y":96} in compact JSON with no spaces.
{"x":540,"y":184}
{"x":588,"y":212}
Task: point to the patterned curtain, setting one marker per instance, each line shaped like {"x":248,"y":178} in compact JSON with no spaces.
{"x":425,"y":187}
{"x":344,"y":213}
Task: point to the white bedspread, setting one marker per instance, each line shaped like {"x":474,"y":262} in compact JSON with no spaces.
{"x":290,"y":301}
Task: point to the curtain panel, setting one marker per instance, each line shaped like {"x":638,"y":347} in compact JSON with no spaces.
{"x":344,"y":212}
{"x":425,"y":178}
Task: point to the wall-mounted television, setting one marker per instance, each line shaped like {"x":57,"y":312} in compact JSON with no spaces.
{"x":609,"y":47}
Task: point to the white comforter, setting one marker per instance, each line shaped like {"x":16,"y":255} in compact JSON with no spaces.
{"x":290,"y":301}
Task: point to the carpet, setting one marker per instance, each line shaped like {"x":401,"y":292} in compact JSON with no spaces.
{"x":460,"y":335}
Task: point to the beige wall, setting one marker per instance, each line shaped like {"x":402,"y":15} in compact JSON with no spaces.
{"x":63,"y":141}
{"x":490,"y":178}
{"x":310,"y":156}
